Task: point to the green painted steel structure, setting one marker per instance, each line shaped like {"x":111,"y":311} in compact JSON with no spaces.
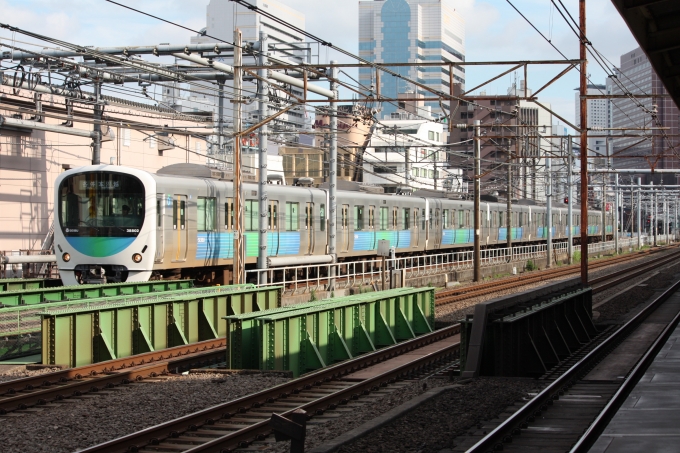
{"x":302,"y":338}
{"x":41,"y":295}
{"x":82,"y":336}
{"x":18,"y":284}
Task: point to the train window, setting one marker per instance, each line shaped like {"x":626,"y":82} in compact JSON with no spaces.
{"x":322,"y":217}
{"x":521,"y":220}
{"x":182,"y":214}
{"x":205,"y":214}
{"x":345,"y":214}
{"x":395,"y":217}
{"x":251,"y":215}
{"x":445,"y":218}
{"x":436,"y":217}
{"x":430,"y":218}
{"x":467,"y":219}
{"x":371,"y":217}
{"x":159,"y":213}
{"x":358,"y":218}
{"x":415,"y":218}
{"x":274,"y":215}
{"x":407,"y":218}
{"x":229,"y":214}
{"x":174,"y":214}
{"x":384,"y":212}
{"x":461,"y":219}
{"x":292,"y":219}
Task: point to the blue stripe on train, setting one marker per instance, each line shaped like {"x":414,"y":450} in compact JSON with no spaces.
{"x":221,"y":245}
{"x":517,"y":233}
{"x":365,"y":241}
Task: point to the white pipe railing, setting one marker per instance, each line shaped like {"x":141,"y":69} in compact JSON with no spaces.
{"x":301,"y":279}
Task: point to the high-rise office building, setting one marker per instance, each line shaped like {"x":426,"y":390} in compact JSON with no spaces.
{"x":636,"y":75}
{"x":598,"y":121}
{"x":222,"y":18}
{"x":411,"y":31}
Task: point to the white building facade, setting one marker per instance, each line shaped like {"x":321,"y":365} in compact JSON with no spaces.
{"x":407,"y":155}
{"x":411,"y":31}
{"x":599,"y":117}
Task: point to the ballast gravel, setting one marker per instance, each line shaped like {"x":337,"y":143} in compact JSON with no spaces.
{"x":94,"y":419}
{"x":432,"y":426}
{"x":12,"y":372}
{"x":452,"y":313}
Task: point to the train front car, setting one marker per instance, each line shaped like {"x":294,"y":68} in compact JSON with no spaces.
{"x":104,"y":225}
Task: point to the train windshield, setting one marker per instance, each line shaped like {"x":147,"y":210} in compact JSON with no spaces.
{"x":101,"y":204}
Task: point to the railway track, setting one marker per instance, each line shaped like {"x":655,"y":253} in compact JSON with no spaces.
{"x":571,"y":412}
{"x":20,"y":394}
{"x":241,"y":422}
{"x":483,"y":289}
{"x":238,"y":423}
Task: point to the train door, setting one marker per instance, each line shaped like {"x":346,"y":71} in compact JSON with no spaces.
{"x":416,"y":230}
{"x":160,"y":243}
{"x":345,"y":227}
{"x":371,"y":227}
{"x":436,"y":225}
{"x":274,"y":228}
{"x":179,"y":227}
{"x":309,"y":227}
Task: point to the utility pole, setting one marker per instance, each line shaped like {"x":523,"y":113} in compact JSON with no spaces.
{"x":616,"y":209}
{"x":548,"y":196}
{"x":97,"y":141}
{"x":639,"y":213}
{"x":478,"y":151}
{"x":570,"y":202}
{"x":333,"y":170}
{"x":509,"y":202}
{"x":675,"y":221}
{"x":220,"y":117}
{"x":665,"y":217}
{"x":263,"y":200}
{"x":239,"y":239}
{"x":584,"y":142}
{"x":604,"y":209}
{"x":654,"y":224}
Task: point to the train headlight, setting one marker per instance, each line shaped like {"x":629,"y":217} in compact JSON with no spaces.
{"x":137,"y":258}
{"x":66,"y":257}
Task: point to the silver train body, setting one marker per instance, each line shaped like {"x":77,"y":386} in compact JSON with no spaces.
{"x":121,"y":224}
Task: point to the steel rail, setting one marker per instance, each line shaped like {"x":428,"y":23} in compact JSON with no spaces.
{"x":328,"y":402}
{"x":548,"y":272}
{"x":523,"y":416}
{"x":24,"y":392}
{"x":444,"y":298}
{"x":174,"y":428}
{"x":600,"y":424}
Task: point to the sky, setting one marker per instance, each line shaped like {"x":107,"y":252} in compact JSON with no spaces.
{"x":494,"y":32}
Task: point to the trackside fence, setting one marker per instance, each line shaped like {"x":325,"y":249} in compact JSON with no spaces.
{"x":308,"y":278}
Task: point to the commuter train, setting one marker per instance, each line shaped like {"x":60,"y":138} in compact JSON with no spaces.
{"x":119,"y":224}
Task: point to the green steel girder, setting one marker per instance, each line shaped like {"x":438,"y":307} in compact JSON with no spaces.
{"x":20,"y":321}
{"x":305,"y":337}
{"x":20,"y":284}
{"x":77,"y":337}
{"x":40,"y":295}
